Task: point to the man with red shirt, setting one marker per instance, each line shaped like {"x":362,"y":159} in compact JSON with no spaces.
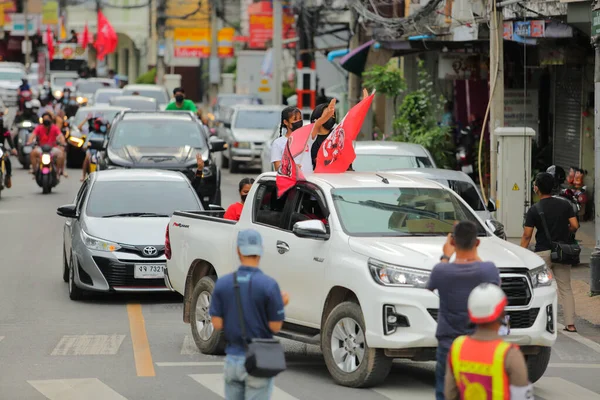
{"x":47,"y":134}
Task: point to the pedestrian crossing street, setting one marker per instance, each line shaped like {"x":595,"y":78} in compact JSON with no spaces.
{"x":550,"y":388}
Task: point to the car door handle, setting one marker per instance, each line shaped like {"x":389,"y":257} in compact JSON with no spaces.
{"x":282,"y":247}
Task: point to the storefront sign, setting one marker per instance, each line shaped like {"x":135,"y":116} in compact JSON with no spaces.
{"x":519,"y":110}
{"x":532,"y":29}
{"x":595,"y":22}
{"x":226,"y":42}
{"x":50,"y":13}
{"x":18,"y":24}
{"x":191,"y":42}
{"x":70,"y":51}
{"x":459,"y":66}
{"x":261,"y":25}
{"x":508,"y":30}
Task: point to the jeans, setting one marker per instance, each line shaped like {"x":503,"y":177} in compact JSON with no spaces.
{"x":440,"y":370}
{"x":241,"y":386}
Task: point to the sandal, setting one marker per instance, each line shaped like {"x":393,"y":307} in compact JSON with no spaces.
{"x":574,"y":330}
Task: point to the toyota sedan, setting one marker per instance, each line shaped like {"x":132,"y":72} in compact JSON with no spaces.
{"x":114,"y":232}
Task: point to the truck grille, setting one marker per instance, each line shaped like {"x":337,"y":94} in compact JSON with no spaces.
{"x":521,"y":319}
{"x":517,"y":290}
{"x":119,"y":274}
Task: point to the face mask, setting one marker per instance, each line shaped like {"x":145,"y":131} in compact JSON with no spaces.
{"x":179,"y":98}
{"x":297,"y":125}
{"x":244,"y":198}
{"x":103,"y":129}
{"x":329,"y":124}
{"x":47,"y":122}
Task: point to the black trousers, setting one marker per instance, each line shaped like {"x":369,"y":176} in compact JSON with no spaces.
{"x":8,"y":166}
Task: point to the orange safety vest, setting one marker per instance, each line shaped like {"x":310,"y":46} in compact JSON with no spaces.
{"x":478,"y":368}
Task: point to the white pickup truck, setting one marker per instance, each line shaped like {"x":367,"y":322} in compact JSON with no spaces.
{"x":354,"y":251}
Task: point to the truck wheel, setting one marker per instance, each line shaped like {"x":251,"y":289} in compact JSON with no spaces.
{"x":349,"y":359}
{"x":207,"y":339}
{"x":537,"y":364}
{"x":234,"y":167}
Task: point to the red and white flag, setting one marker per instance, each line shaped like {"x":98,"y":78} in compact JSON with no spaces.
{"x":86,"y":37}
{"x":106,"y":39}
{"x":289,"y":173}
{"x":337,"y":151}
{"x":50,"y":43}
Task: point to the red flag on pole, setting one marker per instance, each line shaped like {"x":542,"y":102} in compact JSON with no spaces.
{"x":289,"y":173}
{"x":337,"y":152}
{"x":106,"y":39}
{"x":85,"y":38}
{"x":50,"y":43}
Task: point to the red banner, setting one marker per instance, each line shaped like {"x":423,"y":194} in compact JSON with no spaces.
{"x":261,"y":25}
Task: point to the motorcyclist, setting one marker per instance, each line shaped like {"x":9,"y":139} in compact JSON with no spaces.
{"x":30,"y":112}
{"x":97,"y":126}
{"x":24,"y":86}
{"x":6,"y":137}
{"x":559,"y":178}
{"x":47,"y":134}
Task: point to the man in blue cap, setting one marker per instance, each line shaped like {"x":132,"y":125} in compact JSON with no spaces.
{"x":262,"y":303}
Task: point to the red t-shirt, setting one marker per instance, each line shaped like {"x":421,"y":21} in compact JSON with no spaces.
{"x":47,"y":137}
{"x":234,"y":212}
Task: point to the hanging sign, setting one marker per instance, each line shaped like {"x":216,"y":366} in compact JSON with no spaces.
{"x":261,"y":25}
{"x":191,"y":42}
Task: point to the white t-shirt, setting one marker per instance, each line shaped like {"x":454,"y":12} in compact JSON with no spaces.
{"x":302,"y":160}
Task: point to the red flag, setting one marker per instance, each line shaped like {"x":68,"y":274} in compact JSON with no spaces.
{"x":50,"y":43}
{"x":106,"y":39}
{"x":337,"y":152}
{"x":289,"y":173}
{"x":85,"y":38}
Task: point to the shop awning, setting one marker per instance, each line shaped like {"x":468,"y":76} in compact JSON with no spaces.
{"x":356,"y":59}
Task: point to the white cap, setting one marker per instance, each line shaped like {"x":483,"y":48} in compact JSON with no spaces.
{"x":486,"y":303}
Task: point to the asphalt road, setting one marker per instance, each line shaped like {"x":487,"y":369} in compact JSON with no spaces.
{"x":137,"y":347}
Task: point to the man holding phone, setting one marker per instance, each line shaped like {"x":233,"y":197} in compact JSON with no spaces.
{"x":454,"y":280}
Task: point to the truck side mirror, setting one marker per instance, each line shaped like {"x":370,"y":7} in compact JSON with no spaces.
{"x":312,"y":229}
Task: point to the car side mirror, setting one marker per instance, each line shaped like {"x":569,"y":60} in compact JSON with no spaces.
{"x":312,"y":229}
{"x":491,"y":205}
{"x":97,"y":143}
{"x":496,"y":227}
{"x":215,"y":207}
{"x":68,"y":211}
{"x":217,"y":144}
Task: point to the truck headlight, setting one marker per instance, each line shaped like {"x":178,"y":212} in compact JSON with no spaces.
{"x":541,"y":276}
{"x":94,"y":243}
{"x":395,"y":275}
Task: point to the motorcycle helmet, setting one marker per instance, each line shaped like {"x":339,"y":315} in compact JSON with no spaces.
{"x":100,"y":125}
{"x":558,"y":173}
{"x":35,"y":105}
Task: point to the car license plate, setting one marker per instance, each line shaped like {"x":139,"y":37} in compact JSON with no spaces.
{"x":149,"y":271}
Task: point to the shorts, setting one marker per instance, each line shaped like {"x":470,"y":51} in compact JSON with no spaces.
{"x":56,"y":151}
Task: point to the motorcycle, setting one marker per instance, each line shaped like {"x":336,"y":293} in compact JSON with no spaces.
{"x":577,"y":198}
{"x":24,"y":130}
{"x":46,"y":175}
{"x":464,"y":153}
{"x":24,"y":97}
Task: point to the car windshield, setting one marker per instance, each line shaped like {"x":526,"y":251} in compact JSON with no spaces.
{"x":138,"y":105}
{"x":11,"y":75}
{"x":104,"y":96}
{"x":159,"y":95}
{"x":157,"y":133}
{"x":63,"y":81}
{"x":400,"y":211}
{"x":380,"y":162}
{"x":255,"y":119}
{"x":228,"y":101}
{"x":140,"y":199}
{"x":82,"y":113}
{"x":91,"y":87}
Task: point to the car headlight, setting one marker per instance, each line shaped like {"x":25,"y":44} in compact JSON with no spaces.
{"x":75,"y":141}
{"x":395,"y":275}
{"x":242,"y":145}
{"x":94,"y":243}
{"x":541,"y":276}
{"x":46,"y":159}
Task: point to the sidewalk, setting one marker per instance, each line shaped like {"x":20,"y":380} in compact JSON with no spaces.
{"x":586,"y":307}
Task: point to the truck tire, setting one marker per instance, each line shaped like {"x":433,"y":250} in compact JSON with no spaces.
{"x":206,"y":338}
{"x":537,"y":364}
{"x":234,"y":167}
{"x":362,"y":366}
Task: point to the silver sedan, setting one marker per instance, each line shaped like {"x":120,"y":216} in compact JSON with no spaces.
{"x":114,"y":232}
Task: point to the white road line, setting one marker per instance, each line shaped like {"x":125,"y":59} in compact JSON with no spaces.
{"x":190,"y":364}
{"x":559,"y":388}
{"x":215,"y":383}
{"x":578,"y":338}
{"x":75,"y":389}
{"x":88,"y":345}
{"x":571,"y":365}
{"x":189,"y":346}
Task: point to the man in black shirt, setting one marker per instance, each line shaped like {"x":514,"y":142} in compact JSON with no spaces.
{"x":562,"y":222}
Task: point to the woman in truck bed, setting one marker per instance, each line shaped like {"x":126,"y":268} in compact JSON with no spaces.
{"x":234,"y":211}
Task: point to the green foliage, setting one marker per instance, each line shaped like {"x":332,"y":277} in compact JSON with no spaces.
{"x":287,"y":90}
{"x":385,"y":80}
{"x":231,"y":68}
{"x":149,"y":77}
{"x":417,"y":121}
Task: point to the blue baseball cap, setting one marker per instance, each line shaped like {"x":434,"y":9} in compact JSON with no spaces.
{"x":250,"y":243}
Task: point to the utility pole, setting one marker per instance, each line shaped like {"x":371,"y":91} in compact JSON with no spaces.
{"x":595,"y":257}
{"x":214,"y":70}
{"x":28,"y":45}
{"x":497,"y":97}
{"x":306,"y":75}
{"x":161,"y":25}
{"x":277,"y":49}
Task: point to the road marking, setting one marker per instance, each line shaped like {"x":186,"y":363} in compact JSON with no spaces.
{"x":189,"y":347}
{"x":571,"y":365}
{"x":578,"y":338}
{"x":559,"y":388}
{"x":141,"y":348}
{"x":216,"y":384}
{"x":75,"y":389}
{"x":88,"y":345}
{"x":190,"y":364}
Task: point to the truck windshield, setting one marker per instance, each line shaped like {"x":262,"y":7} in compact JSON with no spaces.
{"x":254,"y":119}
{"x":63,"y":81}
{"x":157,"y":133}
{"x":400,"y":211}
{"x":11,"y":75}
{"x":140,"y":199}
{"x":375,"y":162}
